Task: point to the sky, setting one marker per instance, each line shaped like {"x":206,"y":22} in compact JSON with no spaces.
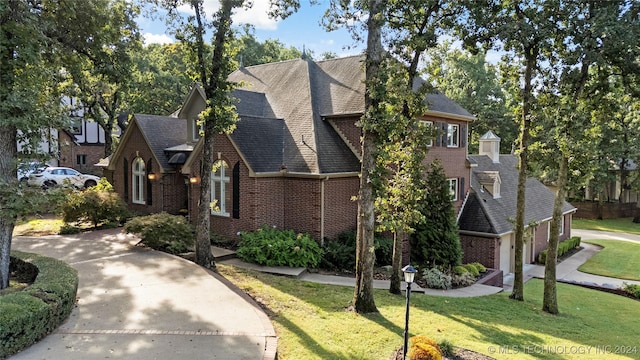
{"x":300,"y":30}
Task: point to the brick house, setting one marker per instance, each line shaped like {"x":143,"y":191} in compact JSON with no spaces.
{"x":486,"y":225}
{"x":292,"y":161}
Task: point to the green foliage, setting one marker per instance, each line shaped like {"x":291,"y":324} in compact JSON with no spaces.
{"x":446,"y":347}
{"x":67,"y":229}
{"x":436,"y":241}
{"x":29,"y":315}
{"x":459,"y":270}
{"x":340,"y":253}
{"x":423,"y":348}
{"x":563,"y":248}
{"x":437,"y":279}
{"x":273,"y":247}
{"x":632,"y":289}
{"x":164,"y":232}
{"x":96,"y":205}
{"x":481,"y":268}
{"x":252,"y":52}
{"x":472,"y":269}
{"x":463,"y":280}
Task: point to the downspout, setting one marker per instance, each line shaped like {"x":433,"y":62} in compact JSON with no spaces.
{"x":322,"y":209}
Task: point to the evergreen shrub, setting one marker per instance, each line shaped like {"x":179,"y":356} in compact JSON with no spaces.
{"x":98,"y":204}
{"x":164,"y":232}
{"x":273,"y":247}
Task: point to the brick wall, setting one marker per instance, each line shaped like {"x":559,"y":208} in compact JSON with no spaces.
{"x":483,"y":250}
{"x":69,"y":152}
{"x":542,"y":235}
{"x":341,"y":213}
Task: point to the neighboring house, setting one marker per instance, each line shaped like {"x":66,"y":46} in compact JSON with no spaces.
{"x":292,"y":161}
{"x":486,"y":222}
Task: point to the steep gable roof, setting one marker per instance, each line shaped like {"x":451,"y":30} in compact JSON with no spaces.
{"x":483,"y":213}
{"x":159,"y":132}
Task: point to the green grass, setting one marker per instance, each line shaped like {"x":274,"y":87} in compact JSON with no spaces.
{"x":618,"y":259}
{"x":625,"y":225}
{"x":312,"y":322}
{"x":38,"y":226}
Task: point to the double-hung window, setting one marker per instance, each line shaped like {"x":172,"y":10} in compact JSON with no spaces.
{"x":138,"y":178}
{"x":453,"y":135}
{"x":220,"y":191}
{"x":453,"y":189}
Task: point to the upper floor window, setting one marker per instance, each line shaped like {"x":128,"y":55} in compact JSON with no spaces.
{"x":453,"y":135}
{"x":138,"y":178}
{"x":220,"y":192}
{"x":453,"y":189}
{"x":430,"y":125}
{"x":195,"y":129}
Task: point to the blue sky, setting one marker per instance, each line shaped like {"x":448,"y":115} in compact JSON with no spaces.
{"x":300,"y":29}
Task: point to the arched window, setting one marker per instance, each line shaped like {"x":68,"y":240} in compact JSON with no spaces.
{"x":220,"y":192}
{"x":138,"y":178}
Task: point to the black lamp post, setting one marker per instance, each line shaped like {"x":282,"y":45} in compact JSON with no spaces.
{"x":409,"y":273}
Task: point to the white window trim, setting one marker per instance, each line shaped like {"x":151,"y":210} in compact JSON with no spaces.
{"x":430,"y":124}
{"x":451,"y":141}
{"x":451,"y":182}
{"x":195,"y":131}
{"x":137,"y":193}
{"x":223,"y":180}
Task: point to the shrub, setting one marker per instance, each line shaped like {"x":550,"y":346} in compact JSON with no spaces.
{"x":563,"y":248}
{"x":446,"y":347}
{"x":29,"y":315}
{"x":169,"y":233}
{"x":463,"y":280}
{"x":632,"y":289}
{"x":472,"y":269}
{"x":95,"y":205}
{"x":340,"y":253}
{"x":273,"y":247}
{"x":423,"y":348}
{"x":481,"y":268}
{"x":436,"y":279}
{"x":459,"y":270}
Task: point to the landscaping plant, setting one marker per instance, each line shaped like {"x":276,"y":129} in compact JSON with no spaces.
{"x":169,"y":233}
{"x":273,"y":247}
{"x":97,"y":205}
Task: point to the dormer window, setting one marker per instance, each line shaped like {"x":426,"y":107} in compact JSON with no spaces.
{"x":490,"y":182}
{"x":195,"y":129}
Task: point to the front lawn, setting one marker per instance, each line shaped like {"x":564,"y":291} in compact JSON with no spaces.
{"x":625,"y":225}
{"x":312,"y":323}
{"x":618,"y":259}
{"x":38,"y":226}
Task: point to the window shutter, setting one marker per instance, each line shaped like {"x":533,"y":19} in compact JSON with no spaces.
{"x":437,"y":128}
{"x":463,"y":135}
{"x":125,"y":175}
{"x":236,"y":191}
{"x":461,"y":191}
{"x":149,"y":187}
{"x":445,"y":131}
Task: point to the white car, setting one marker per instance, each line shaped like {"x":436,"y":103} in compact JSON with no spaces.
{"x":53,"y":176}
{"x":27,"y":168}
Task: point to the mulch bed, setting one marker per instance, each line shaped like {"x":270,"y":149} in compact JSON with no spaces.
{"x":459,"y":354}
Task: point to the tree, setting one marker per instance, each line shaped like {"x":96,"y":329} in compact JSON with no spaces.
{"x":436,"y":241}
{"x":31,"y":84}
{"x":474,"y":84}
{"x":524,"y":32}
{"x":101,"y":68}
{"x":252,"y":52}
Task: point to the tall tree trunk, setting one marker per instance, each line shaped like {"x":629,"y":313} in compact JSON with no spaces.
{"x":8,"y":151}
{"x":518,"y":283}
{"x":363,"y":301}
{"x":550,"y":299}
{"x":396,"y":280}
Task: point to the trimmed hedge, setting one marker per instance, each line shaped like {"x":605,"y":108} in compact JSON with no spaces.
{"x":563,"y":248}
{"x":29,"y":315}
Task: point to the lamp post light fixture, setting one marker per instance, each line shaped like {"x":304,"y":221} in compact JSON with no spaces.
{"x":409,"y":274}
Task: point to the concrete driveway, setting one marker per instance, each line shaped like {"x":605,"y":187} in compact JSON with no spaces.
{"x":144,"y":304}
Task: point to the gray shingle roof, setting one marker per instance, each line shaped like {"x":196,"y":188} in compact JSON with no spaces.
{"x":483,"y":213}
{"x":162,"y":132}
{"x":260,"y":141}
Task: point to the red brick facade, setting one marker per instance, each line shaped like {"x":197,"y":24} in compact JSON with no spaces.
{"x":479,"y":249}
{"x":79,"y":156}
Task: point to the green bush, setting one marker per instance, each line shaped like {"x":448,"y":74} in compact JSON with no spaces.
{"x":99,"y":204}
{"x":164,"y":232}
{"x":632,"y":289}
{"x":437,"y":279}
{"x":29,"y":315}
{"x":563,"y":248}
{"x":446,"y":347}
{"x":273,"y":247}
{"x":463,"y":280}
{"x":472,"y":269}
{"x":340,"y":253}
{"x":481,"y":268}
{"x":460,"y":270}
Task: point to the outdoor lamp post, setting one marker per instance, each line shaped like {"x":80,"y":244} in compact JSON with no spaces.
{"x":409,"y":273}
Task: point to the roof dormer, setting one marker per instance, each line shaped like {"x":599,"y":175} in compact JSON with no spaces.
{"x":490,"y":182}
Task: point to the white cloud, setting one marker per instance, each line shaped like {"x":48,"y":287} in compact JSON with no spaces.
{"x":156,"y":39}
{"x":257,"y":15}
